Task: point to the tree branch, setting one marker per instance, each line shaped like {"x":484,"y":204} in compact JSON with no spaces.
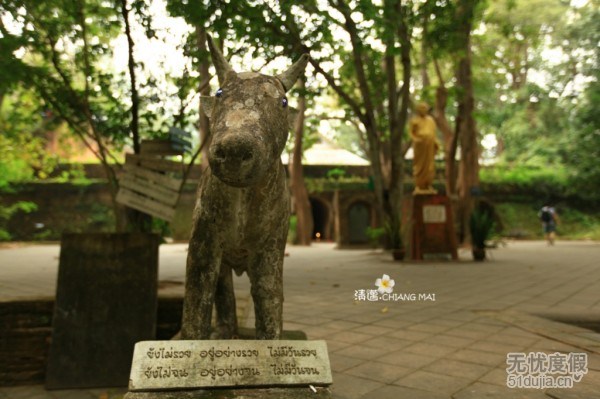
{"x":77,"y":101}
{"x":86,"y":104}
{"x":340,"y":91}
{"x":184,"y":104}
{"x":357,"y":58}
{"x":190,"y":165}
{"x":297,"y":40}
{"x":135,"y":101}
{"x":438,"y":72}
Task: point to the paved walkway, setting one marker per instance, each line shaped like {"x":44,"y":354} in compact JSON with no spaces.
{"x":453,"y":347}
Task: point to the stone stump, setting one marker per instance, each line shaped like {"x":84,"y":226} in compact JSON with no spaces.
{"x":106,"y":301}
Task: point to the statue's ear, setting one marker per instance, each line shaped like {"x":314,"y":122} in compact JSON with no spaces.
{"x":207,"y":103}
{"x":289,"y":77}
{"x":293,"y":114}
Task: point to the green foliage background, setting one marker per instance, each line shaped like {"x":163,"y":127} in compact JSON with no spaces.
{"x":535,"y":71}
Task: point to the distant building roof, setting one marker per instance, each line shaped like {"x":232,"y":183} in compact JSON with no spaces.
{"x":326,"y":152}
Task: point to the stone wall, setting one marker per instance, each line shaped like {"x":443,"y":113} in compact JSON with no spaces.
{"x":63,"y":207}
{"x":60,"y":208}
{"x":96,"y":171}
{"x":87,"y":208}
{"x":26,"y":330}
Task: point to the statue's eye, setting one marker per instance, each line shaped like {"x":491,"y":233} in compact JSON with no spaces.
{"x":219,"y":92}
{"x":284,"y":102}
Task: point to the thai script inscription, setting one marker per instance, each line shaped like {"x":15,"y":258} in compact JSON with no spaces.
{"x":229,"y":371}
{"x":218,"y":353}
{"x":292,"y":369}
{"x":290,"y":351}
{"x":161,"y":353}
{"x":283,"y":362}
{"x":165,"y":372}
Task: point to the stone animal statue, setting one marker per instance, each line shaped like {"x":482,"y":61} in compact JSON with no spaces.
{"x":242,"y":212}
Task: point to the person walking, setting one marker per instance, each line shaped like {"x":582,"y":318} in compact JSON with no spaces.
{"x":549,"y":219}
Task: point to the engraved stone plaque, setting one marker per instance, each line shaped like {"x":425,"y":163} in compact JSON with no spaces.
{"x":163,"y":365}
{"x":434,"y":214}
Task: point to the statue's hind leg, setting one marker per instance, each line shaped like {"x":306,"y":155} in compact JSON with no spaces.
{"x":267,"y":293}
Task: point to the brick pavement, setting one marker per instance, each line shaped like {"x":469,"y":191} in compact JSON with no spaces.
{"x":454,"y":347}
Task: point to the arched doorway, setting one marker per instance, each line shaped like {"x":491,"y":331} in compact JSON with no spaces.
{"x":320,"y":213}
{"x":359,"y":219}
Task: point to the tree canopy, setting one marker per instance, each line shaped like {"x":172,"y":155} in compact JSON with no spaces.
{"x":520,"y":74}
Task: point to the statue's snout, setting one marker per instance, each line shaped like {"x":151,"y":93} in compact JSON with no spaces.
{"x":235,"y":159}
{"x":233,"y":150}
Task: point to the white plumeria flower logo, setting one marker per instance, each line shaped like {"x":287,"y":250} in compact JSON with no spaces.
{"x":385,"y":285}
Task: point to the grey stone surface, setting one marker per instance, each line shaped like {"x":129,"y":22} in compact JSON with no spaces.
{"x":577,"y":392}
{"x":105,"y":302}
{"x":242,"y":214}
{"x":163,"y":365}
{"x":527,"y":276}
{"x":256,"y":393}
{"x":480,"y":390}
{"x":294,"y":335}
{"x":396,"y":392}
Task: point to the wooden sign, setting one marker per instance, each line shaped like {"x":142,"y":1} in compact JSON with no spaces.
{"x":180,"y":139}
{"x":181,"y":147}
{"x":174,"y":131}
{"x":158,"y":147}
{"x":145,"y":204}
{"x":164,"y":180}
{"x":154,"y":163}
{"x":165,"y":365}
{"x":150,"y":189}
{"x":146,"y":184}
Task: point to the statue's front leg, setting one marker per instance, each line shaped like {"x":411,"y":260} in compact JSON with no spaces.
{"x":227,"y":325}
{"x":202,"y":272}
{"x":266,"y":278}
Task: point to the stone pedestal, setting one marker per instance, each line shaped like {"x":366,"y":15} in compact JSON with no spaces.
{"x":216,"y":369}
{"x":433,"y":234}
{"x":245,"y":393}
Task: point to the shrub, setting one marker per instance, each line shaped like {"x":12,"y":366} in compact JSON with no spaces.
{"x":6,"y":213}
{"x":374,"y":234}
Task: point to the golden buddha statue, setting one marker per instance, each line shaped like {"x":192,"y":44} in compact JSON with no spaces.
{"x":422,"y":130}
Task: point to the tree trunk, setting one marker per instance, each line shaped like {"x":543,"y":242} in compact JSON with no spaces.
{"x":400,"y":115}
{"x":368,"y":118}
{"x":203,"y":123}
{"x":135,"y":101}
{"x":385,"y":158}
{"x":136,"y":221}
{"x":304,"y":219}
{"x":450,"y":138}
{"x":468,"y":178}
{"x":424,"y":50}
